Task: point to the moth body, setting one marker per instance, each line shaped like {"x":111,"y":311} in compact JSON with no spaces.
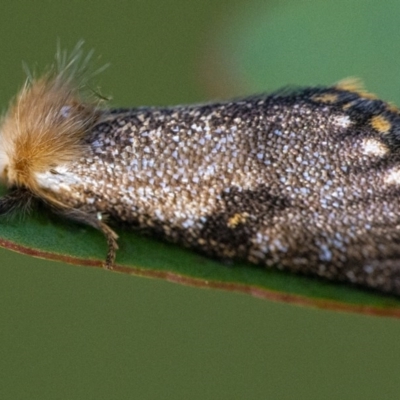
{"x":306,"y":181}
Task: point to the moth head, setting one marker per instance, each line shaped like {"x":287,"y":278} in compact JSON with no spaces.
{"x":14,"y":166}
{"x":47,"y":122}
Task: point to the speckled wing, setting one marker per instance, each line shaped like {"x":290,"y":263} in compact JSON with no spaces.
{"x":307,"y":181}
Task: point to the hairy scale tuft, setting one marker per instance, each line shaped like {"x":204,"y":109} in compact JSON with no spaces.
{"x":46,"y":123}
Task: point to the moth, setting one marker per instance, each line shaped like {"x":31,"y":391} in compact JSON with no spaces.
{"x":304,"y":180}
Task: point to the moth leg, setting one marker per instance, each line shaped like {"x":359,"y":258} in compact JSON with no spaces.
{"x":96,"y":221}
{"x":112,"y":244}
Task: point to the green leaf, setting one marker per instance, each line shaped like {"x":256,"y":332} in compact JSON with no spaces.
{"x":48,"y":237}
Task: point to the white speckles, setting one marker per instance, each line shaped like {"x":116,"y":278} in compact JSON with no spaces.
{"x":325,"y":253}
{"x":187,"y":223}
{"x":368,"y":269}
{"x":351,"y":276}
{"x":48,"y":180}
{"x":304,"y":191}
{"x":96,"y":143}
{"x":393,"y":177}
{"x":159,"y":214}
{"x":175,"y":138}
{"x":342,"y":121}
{"x":197,"y":128}
{"x":276,"y":244}
{"x":373,"y":147}
{"x":260,"y":238}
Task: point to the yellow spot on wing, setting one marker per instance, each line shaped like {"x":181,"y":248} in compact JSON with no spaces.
{"x":355,"y":85}
{"x":380,"y":124}
{"x":237,"y":219}
{"x":347,"y":106}
{"x":326,"y":98}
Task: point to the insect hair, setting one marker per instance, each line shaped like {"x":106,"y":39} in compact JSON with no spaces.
{"x":18,"y":199}
{"x":44,"y":128}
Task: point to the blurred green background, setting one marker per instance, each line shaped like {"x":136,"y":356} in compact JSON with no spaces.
{"x":70,"y":332}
